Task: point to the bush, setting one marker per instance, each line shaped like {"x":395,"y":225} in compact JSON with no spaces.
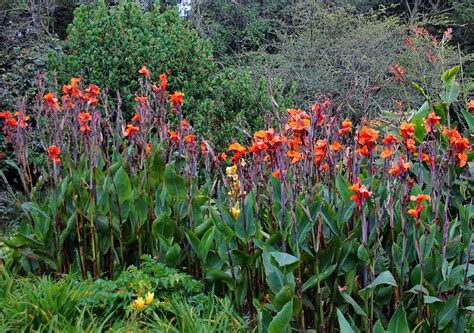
{"x":239,"y":106}
{"x":106,"y":45}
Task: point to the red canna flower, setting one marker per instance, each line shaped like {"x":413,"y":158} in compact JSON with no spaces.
{"x":164,"y":81}
{"x":53,"y":154}
{"x":222,"y":157}
{"x":459,"y":144}
{"x":84,"y":117}
{"x":144,"y":70}
{"x":130,"y":130}
{"x":136,"y":118}
{"x":389,"y":140}
{"x":177,"y":98}
{"x":360,"y":193}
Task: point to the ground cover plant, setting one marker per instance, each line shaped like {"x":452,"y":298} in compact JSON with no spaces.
{"x":319,"y":223}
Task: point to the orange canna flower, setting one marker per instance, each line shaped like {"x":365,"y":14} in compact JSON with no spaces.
{"x":130,"y":130}
{"x":400,"y":168}
{"x":318,"y":111}
{"x":238,"y":150}
{"x":144,"y":71}
{"x":411,"y":145}
{"x":360,"y":193}
{"x":177,"y":98}
{"x":387,"y":152}
{"x":336,"y":146}
{"x":295,"y":156}
{"x":320,"y":150}
{"x":459,"y":145}
{"x":53,"y":154}
{"x":174,"y":136}
{"x":407,"y":130}
{"x":189,"y":139}
{"x":326,"y":103}
{"x":5,"y":115}
{"x":419,"y":198}
{"x":364,"y":151}
{"x":346,"y":127}
{"x":148,"y":148}
{"x":431,"y":121}
{"x":84,"y":117}
{"x":51,"y":101}
{"x":368,"y":137}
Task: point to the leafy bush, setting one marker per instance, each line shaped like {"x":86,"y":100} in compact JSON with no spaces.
{"x":105,"y":45}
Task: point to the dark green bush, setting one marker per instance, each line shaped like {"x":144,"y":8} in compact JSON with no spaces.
{"x":107,"y":46}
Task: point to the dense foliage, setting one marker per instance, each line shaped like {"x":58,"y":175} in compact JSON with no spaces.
{"x":106,"y":44}
{"x":152,"y":297}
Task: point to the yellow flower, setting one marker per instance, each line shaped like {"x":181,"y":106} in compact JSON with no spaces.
{"x":235,"y":212}
{"x":149,"y":298}
{"x":230,"y":171}
{"x":139,"y":303}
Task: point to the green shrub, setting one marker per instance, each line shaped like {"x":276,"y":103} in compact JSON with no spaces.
{"x":107,"y":46}
{"x":240,"y":105}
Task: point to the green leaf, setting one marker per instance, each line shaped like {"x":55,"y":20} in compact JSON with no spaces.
{"x":312,"y":281}
{"x":384,"y":278}
{"x":123,"y":188}
{"x":398,"y":323}
{"x":354,"y":304}
{"x":244,"y":232}
{"x":344,"y":325}
{"x":172,"y":255}
{"x":450,"y":86}
{"x":378,"y":327}
{"x":280,"y":322}
{"x":69,"y":228}
{"x":175,"y":185}
{"x":447,"y":313}
{"x":205,"y":244}
{"x":469,"y":118}
{"x":284,"y":259}
{"x":162,"y":226}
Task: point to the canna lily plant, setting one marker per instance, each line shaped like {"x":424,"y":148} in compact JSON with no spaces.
{"x":319,"y":223}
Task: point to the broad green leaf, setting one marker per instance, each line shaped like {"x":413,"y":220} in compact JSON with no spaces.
{"x":172,"y":255}
{"x":205,"y":244}
{"x":398,"y":323}
{"x":281,"y":321}
{"x":378,"y":327}
{"x":344,"y":325}
{"x":312,"y":281}
{"x":122,"y":185}
{"x":384,"y":278}
{"x":447,"y":313}
{"x":175,"y":185}
{"x":354,"y":304}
